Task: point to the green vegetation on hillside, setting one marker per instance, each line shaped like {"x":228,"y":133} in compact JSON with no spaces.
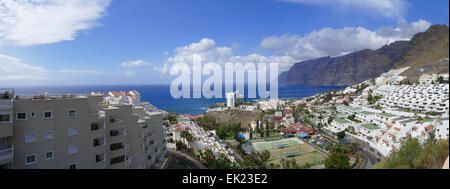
{"x":413,"y":155}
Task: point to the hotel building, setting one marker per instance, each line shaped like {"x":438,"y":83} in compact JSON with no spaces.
{"x":78,"y":132}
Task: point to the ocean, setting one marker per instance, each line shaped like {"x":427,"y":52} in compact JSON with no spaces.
{"x":159,"y":95}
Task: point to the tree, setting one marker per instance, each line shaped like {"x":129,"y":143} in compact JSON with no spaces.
{"x":404,"y":157}
{"x":330,"y":119}
{"x":265,"y":156}
{"x":337,"y":161}
{"x":222,"y":132}
{"x":207,"y":122}
{"x":413,"y":155}
{"x":340,"y":135}
{"x":221,"y":162}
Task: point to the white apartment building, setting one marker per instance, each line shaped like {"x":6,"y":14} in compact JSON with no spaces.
{"x":79,"y":131}
{"x":233,"y":98}
{"x":420,"y":98}
{"x":428,"y":78}
{"x":201,"y":140}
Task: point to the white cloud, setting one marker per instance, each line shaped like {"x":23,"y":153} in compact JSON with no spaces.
{"x":130,"y":73}
{"x":12,"y":68}
{"x":336,"y":42}
{"x":386,"y":8}
{"x":211,"y":53}
{"x":33,"y":22}
{"x":82,"y":71}
{"x":135,"y":63}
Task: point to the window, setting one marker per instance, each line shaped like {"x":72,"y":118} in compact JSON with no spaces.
{"x":30,"y":137}
{"x":30,"y":159}
{"x":48,"y":135}
{"x":73,"y":149}
{"x":73,"y":166}
{"x":96,"y":126}
{"x":48,"y":115}
{"x":100,"y":157}
{"x":21,"y":116}
{"x":32,"y":114}
{"x":99,"y":141}
{"x":72,"y":131}
{"x":72,"y":113}
{"x":49,"y":155}
{"x":5,"y":117}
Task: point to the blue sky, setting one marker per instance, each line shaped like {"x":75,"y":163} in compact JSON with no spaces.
{"x":79,"y":42}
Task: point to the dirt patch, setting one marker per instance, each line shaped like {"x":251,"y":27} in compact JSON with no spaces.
{"x":234,"y":116}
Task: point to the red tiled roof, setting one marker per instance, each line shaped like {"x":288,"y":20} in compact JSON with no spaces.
{"x":429,"y":127}
{"x":136,"y":93}
{"x":117,"y":93}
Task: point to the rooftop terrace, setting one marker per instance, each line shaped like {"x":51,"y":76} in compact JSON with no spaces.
{"x":367,"y":113}
{"x":387,"y":115}
{"x":370,"y":126}
{"x":342,"y":121}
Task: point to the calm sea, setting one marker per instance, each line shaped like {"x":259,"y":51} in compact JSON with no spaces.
{"x":159,"y":95}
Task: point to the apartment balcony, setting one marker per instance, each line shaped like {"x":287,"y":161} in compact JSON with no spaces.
{"x":6,"y":155}
{"x":117,"y":136}
{"x":116,"y":123}
{"x":6,"y":104}
{"x":120,"y":162}
{"x":118,"y":149}
{"x":6,"y":129}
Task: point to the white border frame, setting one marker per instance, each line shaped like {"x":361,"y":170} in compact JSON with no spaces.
{"x":10,"y":117}
{"x":74,"y":163}
{"x":53,"y":155}
{"x":68,"y":150}
{"x":35,"y":114}
{"x":35,"y":159}
{"x":45,"y":135}
{"x":43,"y":116}
{"x":35,"y":136}
{"x":68,"y":113}
{"x":76,"y":131}
{"x":17,"y":116}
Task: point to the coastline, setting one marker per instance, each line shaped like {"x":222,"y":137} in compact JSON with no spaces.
{"x":159,"y":95}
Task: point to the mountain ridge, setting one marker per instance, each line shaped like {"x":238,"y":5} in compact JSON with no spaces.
{"x":423,"y":48}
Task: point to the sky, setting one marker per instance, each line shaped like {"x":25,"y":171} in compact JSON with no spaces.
{"x":109,"y":42}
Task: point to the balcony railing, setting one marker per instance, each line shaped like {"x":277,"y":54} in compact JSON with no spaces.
{"x":7,"y":153}
{"x":6,"y":104}
{"x":114,"y":147}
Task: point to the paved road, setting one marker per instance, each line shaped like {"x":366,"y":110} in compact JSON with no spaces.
{"x":190,"y":161}
{"x":369,"y":160}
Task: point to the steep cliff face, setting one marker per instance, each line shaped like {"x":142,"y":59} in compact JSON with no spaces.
{"x":424,"y":48}
{"x":425,"y":51}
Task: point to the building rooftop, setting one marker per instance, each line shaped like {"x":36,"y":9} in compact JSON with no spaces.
{"x":342,"y":121}
{"x":387,"y":114}
{"x":370,"y":126}
{"x":409,"y":121}
{"x":367,"y":113}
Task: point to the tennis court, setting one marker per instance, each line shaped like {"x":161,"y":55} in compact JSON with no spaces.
{"x":275,"y":144}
